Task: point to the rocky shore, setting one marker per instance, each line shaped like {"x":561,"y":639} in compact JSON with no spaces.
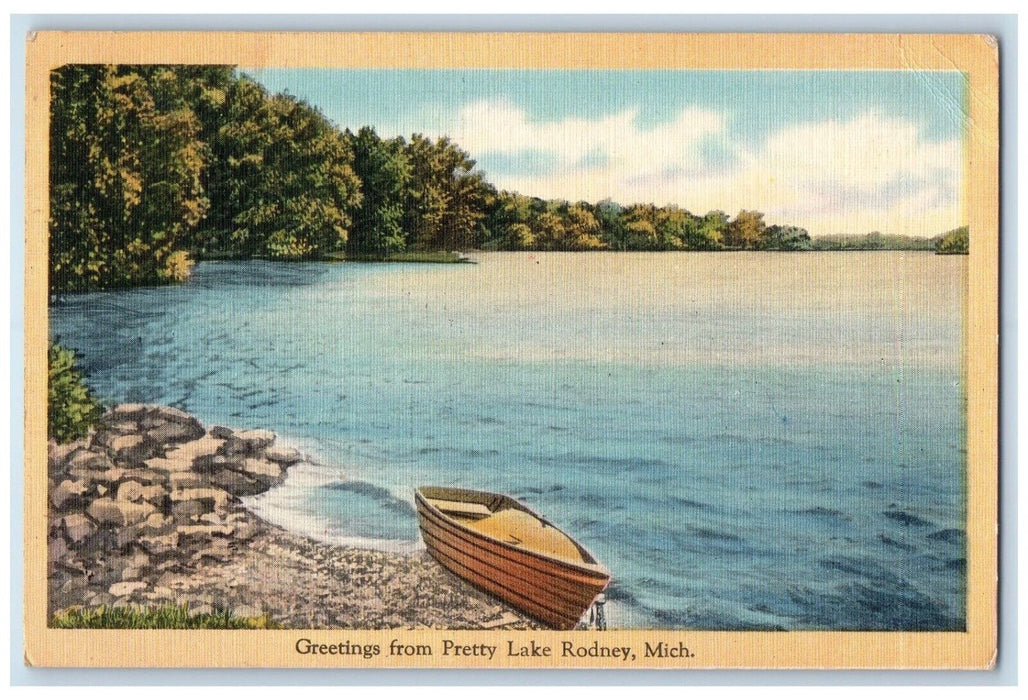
{"x":147,"y":511}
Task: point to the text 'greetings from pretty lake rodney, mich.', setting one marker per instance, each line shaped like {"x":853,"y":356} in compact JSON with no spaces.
{"x":505,"y":649}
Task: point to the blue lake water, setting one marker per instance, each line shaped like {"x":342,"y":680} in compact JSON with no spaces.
{"x":747,"y":441}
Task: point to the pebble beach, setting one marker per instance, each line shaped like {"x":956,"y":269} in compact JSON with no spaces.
{"x":147,"y":511}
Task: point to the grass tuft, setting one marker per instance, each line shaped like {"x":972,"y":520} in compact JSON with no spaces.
{"x":177,"y":617}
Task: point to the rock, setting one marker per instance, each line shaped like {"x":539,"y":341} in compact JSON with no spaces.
{"x":174,"y":415}
{"x":128,"y":534}
{"x":123,"y":444}
{"x":130,"y":491}
{"x":82,"y":459}
{"x":135,"y":492}
{"x":101,"y":540}
{"x":169,"y":465}
{"x":157,"y":524}
{"x":161,"y":545}
{"x":68,"y":494}
{"x":56,"y":549}
{"x":262,"y":469}
{"x":221,"y":432}
{"x":78,"y":527}
{"x":208,"y":464}
{"x":204,"y":531}
{"x":110,"y":476}
{"x":236,"y":483}
{"x":146,"y":477}
{"x":102,"y":490}
{"x":218,"y":551}
{"x":133,"y":447}
{"x":175,"y":432}
{"x":248,"y":442}
{"x":73,"y":566}
{"x":57,"y":454}
{"x":184,"y":480}
{"x":283,"y":455}
{"x":130,"y":573}
{"x":186,"y":510}
{"x":210,"y":498}
{"x":121,"y":513}
{"x":244,"y":531}
{"x":123,"y":588}
{"x":186,"y":453}
{"x":123,"y":427}
{"x":125,"y":410}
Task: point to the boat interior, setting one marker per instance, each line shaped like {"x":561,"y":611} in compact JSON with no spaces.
{"x":504,"y":519}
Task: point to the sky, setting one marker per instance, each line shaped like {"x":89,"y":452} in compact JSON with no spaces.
{"x":831,"y":151}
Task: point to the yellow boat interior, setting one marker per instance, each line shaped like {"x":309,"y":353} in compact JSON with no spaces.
{"x":504,"y":519}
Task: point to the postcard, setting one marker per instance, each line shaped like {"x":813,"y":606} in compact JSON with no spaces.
{"x":546,"y":351}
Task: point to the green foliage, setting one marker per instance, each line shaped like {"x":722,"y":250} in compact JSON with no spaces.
{"x":281,"y":179}
{"x":71,"y":407}
{"x":746,"y":231}
{"x":954,"y":242}
{"x":447,"y":198}
{"x":164,"y":617}
{"x":870,"y":241}
{"x":784,"y":238}
{"x":125,"y":165}
{"x":384,"y":172}
{"x":153,"y":166}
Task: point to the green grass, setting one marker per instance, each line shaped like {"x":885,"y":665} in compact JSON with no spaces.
{"x":174,"y":617}
{"x":435,"y":256}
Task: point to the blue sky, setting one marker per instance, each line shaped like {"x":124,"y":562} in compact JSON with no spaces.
{"x":834,"y":151}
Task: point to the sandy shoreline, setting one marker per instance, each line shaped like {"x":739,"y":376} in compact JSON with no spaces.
{"x":146,"y":511}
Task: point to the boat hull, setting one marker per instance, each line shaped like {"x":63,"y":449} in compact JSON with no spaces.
{"x":553,"y":591}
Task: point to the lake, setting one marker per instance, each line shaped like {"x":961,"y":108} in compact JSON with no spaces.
{"x":746,"y":440}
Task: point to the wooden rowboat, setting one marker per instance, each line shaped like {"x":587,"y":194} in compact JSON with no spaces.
{"x":503,"y":547}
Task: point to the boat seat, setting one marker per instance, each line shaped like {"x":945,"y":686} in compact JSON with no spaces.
{"x":522,"y":529}
{"x":463,"y":508}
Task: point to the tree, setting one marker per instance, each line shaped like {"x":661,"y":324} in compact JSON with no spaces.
{"x":746,"y":230}
{"x":712,"y":230}
{"x":283,"y":183}
{"x":125,"y":170}
{"x":384,"y":172}
{"x":581,"y":229}
{"x":785,"y":238}
{"x":613,"y":231}
{"x":446,"y":198}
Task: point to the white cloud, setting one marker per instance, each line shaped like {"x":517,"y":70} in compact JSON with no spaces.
{"x":867,"y":173}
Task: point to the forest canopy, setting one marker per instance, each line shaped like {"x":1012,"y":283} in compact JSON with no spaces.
{"x":153,"y":167}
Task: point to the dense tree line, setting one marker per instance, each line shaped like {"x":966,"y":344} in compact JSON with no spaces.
{"x":872,"y":241}
{"x":152,"y":167}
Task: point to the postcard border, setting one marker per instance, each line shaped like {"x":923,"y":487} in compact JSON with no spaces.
{"x":977,"y":56}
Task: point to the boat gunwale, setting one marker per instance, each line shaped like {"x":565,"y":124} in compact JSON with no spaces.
{"x":595,"y":568}
{"x":573,"y":579}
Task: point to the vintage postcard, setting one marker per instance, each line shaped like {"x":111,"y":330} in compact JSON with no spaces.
{"x":627,"y":351}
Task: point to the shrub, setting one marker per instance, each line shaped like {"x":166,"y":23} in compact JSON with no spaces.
{"x":71,"y":407}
